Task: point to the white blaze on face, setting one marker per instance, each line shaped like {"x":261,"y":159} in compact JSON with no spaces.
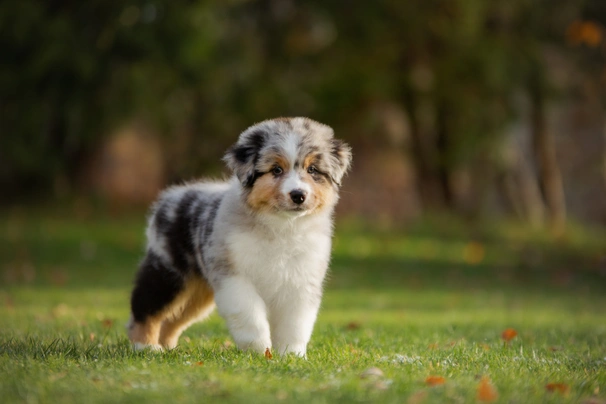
{"x":293,"y":181}
{"x":291,"y":146}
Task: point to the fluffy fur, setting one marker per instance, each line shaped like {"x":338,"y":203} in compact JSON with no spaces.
{"x":256,"y":246}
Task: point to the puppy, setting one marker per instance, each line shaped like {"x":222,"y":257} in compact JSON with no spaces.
{"x":256,"y":246}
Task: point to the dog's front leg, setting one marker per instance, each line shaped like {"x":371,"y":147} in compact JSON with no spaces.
{"x":293,"y":323}
{"x":244,"y":312}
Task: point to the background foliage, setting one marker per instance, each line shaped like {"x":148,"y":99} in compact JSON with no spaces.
{"x":460,"y":72}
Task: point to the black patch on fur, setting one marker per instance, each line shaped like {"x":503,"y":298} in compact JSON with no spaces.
{"x":197,"y":212}
{"x":209,"y":221}
{"x":179,"y":235}
{"x":161,"y":218}
{"x":155,"y":287}
{"x":254,"y":143}
{"x":252,"y":178}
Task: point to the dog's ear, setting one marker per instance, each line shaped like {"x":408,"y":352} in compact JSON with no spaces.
{"x":340,"y":160}
{"x":242,"y":157}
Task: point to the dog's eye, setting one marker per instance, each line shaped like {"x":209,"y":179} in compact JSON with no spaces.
{"x":277,"y":170}
{"x":312,"y":170}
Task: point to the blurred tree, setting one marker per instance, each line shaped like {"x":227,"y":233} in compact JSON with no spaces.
{"x":71,"y":70}
{"x":587,"y":37}
{"x":202,"y":71}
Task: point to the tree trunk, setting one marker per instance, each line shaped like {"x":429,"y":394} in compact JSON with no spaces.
{"x":545,"y":154}
{"x":427,"y":180}
{"x":443,"y":165}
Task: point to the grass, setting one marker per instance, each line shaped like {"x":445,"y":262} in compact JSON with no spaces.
{"x":417,"y":302}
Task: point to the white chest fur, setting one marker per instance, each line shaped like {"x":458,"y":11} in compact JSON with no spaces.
{"x":281,"y":263}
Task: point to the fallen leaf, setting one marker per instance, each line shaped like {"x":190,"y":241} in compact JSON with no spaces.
{"x":199,"y":363}
{"x":107,"y":323}
{"x":509,"y":334}
{"x":351,"y":326}
{"x":371,"y":372}
{"x":435,"y":380}
{"x":486,"y":391}
{"x":268,"y":354}
{"x":561,"y":388}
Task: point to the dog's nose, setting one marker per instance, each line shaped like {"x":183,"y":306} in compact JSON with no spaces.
{"x":298,"y":196}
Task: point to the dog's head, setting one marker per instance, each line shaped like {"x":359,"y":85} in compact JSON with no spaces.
{"x":292,"y":165}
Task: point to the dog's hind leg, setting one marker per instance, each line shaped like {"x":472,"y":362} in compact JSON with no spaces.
{"x":156,"y":290}
{"x":198,"y":303}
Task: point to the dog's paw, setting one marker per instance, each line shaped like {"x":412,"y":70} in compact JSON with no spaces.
{"x":296,"y":349}
{"x":138,"y":346}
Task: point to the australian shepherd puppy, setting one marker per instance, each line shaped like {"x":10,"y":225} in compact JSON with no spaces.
{"x":257,"y":246}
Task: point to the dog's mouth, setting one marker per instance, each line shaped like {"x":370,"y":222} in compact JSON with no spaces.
{"x":298,"y":209}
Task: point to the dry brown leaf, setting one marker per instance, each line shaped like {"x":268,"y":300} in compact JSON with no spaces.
{"x":199,"y":363}
{"x":351,"y":326}
{"x":487,"y":393}
{"x":561,"y":388}
{"x":509,"y":334}
{"x":107,"y":323}
{"x":268,"y":354}
{"x":435,"y":380}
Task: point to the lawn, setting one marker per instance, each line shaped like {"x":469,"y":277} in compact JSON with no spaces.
{"x":417,"y":315}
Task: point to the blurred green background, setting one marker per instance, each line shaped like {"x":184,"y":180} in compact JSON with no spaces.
{"x":481,"y":109}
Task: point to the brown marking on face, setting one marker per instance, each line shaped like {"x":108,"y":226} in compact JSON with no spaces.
{"x":271,"y":160}
{"x":265,"y":194}
{"x":310,"y":160}
{"x":323,"y":193}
